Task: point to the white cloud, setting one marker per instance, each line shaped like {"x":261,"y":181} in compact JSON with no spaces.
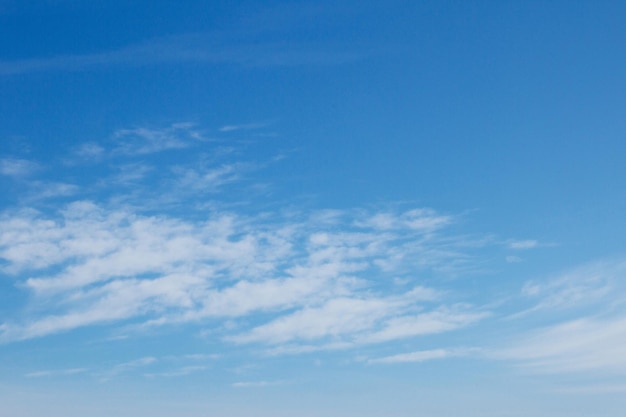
{"x":417,"y":219}
{"x":582,"y":345}
{"x":417,"y":356}
{"x":137,"y":363}
{"x":17,"y":168}
{"x":246,"y":126}
{"x":513,"y":259}
{"x":56,"y":372}
{"x":89,"y":150}
{"x":523,"y":244}
{"x":441,"y":320}
{"x":311,"y":274}
{"x":590,"y":339}
{"x":345,"y":322}
{"x":131,"y":173}
{"x":209,"y":179}
{"x":582,"y":286}
{"x":336,"y":318}
{"x":142,"y":140}
{"x":40,"y":190}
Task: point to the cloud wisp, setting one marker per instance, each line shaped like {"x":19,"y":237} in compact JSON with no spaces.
{"x":17,"y":168}
{"x":190,"y":48}
{"x":587,"y":333}
{"x":422,"y":356}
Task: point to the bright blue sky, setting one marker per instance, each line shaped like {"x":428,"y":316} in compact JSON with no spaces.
{"x":312,"y":208}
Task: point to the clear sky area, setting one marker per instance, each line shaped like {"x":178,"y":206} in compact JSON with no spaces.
{"x":312,"y":208}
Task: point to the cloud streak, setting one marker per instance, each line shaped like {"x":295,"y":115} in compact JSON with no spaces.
{"x":190,"y":48}
{"x":591,"y":337}
{"x":17,"y":168}
{"x":586,"y":345}
{"x":421,"y":356}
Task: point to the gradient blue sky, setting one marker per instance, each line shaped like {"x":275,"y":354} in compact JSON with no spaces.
{"x":329,"y":208}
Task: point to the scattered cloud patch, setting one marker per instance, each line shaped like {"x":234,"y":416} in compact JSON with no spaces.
{"x":93,"y":265}
{"x":57,"y":372}
{"x":210,"y":179}
{"x":89,"y":151}
{"x":142,"y":140}
{"x":17,"y":168}
{"x":247,"y":126}
{"x":42,"y":190}
{"x":417,"y":219}
{"x":522,"y":244}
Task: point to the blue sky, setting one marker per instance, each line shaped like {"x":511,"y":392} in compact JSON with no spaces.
{"x":275,"y":208}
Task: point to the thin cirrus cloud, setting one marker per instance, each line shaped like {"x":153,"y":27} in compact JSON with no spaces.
{"x":585,"y":345}
{"x":56,"y":372}
{"x":523,"y":244}
{"x":17,"y":168}
{"x":245,"y":126}
{"x":591,"y":337}
{"x":593,"y":283}
{"x":421,"y":356}
{"x":189,"y":48}
{"x":140,"y":141}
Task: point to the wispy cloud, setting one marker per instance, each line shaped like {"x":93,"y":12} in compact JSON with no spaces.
{"x":209,"y":179}
{"x":422,"y":356}
{"x":56,"y":372}
{"x":89,"y":151}
{"x":192,"y":48}
{"x":522,"y":244}
{"x":96,"y":265}
{"x":244,"y":126}
{"x":41,"y":190}
{"x":182,"y":371}
{"x":17,"y":168}
{"x":140,"y":141}
{"x":279,"y":282}
{"x":130,"y":174}
{"x":130,"y":365}
{"x":582,"y":345}
{"x":582,"y":286}
{"x":590,"y":338}
{"x":440,"y":320}
{"x":423,"y":219}
{"x":336,"y":318}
